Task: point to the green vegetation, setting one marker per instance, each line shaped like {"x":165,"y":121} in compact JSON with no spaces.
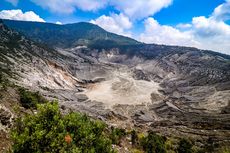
{"x":4,"y":82}
{"x":30,"y":99}
{"x":184,"y":146}
{"x":50,"y":131}
{"x":69,"y":35}
{"x":224,"y":149}
{"x":134,"y":137}
{"x":116,"y":135}
{"x":153,"y":143}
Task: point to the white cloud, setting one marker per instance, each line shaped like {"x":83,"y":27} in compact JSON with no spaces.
{"x":69,"y":6}
{"x":116,"y":23}
{"x":163,"y":34}
{"x":212,"y":34}
{"x":209,"y":27}
{"x":13,"y":2}
{"x":90,"y":5}
{"x":135,"y":9}
{"x":122,"y":20}
{"x":138,"y":9}
{"x":58,"y":22}
{"x":203,"y":32}
{"x":19,"y":15}
{"x":184,"y":26}
{"x":222,"y":12}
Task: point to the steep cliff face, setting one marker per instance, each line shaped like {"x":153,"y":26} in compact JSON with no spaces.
{"x":29,"y":63}
{"x":165,"y":88}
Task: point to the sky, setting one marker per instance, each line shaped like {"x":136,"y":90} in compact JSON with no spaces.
{"x":204,"y":24}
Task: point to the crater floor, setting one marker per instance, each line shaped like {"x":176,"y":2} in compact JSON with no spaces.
{"x":122,"y":89}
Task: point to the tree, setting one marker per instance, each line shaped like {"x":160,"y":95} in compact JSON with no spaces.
{"x":50,"y":131}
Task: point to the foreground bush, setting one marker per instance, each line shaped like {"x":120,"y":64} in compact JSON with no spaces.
{"x":50,"y":131}
{"x":153,"y":143}
{"x":184,"y":146}
{"x":30,"y":99}
{"x":116,"y":135}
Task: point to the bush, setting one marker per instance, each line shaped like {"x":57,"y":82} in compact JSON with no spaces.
{"x":30,"y":99}
{"x":153,"y":143}
{"x":224,"y":149}
{"x":50,"y":131}
{"x":1,"y":78}
{"x":134,"y":137}
{"x":185,"y":146}
{"x":4,"y":82}
{"x":116,"y":135}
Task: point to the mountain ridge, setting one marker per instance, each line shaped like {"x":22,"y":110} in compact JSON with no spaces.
{"x":84,"y":33}
{"x":68,"y":35}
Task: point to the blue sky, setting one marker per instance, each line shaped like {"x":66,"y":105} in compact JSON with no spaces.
{"x":179,"y":12}
{"x":200,"y":23}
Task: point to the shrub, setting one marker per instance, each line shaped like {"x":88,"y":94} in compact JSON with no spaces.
{"x":117,"y":134}
{"x":134,"y":137}
{"x":4,"y":82}
{"x":136,"y":151}
{"x":30,"y":99}
{"x":185,"y":146}
{"x":153,"y":143}
{"x":50,"y":131}
{"x":224,"y":149}
{"x":1,"y":78}
{"x":171,"y":145}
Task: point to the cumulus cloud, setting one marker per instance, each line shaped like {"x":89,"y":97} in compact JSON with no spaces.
{"x":19,"y":15}
{"x":58,"y":22}
{"x":135,"y":9}
{"x":163,"y":34}
{"x":116,"y":23}
{"x":13,"y":2}
{"x":203,"y":32}
{"x":222,"y":12}
{"x":184,"y":26}
{"x":212,"y":34}
{"x":69,"y":6}
{"x":208,"y":27}
{"x":138,"y":9}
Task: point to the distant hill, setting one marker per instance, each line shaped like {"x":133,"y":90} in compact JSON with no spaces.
{"x":69,"y":35}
